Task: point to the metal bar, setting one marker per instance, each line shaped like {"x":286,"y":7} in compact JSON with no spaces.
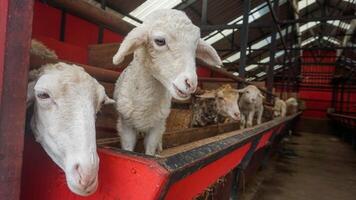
{"x":15,"y":36}
{"x":233,"y":26}
{"x":101,"y":28}
{"x":244,"y":38}
{"x":314,"y":19}
{"x":275,"y":20}
{"x":184,"y":4}
{"x":63,"y":25}
{"x":273,"y":45}
{"x":342,"y":97}
{"x":204,"y":11}
{"x":308,"y":48}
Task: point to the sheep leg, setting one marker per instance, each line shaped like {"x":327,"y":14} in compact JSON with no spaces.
{"x":128,"y":137}
{"x":242,"y":122}
{"x":160,"y":146}
{"x":153,"y":139}
{"x":259,"y":115}
{"x":250,"y":118}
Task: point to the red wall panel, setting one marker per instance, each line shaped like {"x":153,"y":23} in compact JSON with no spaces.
{"x":3,"y":20}
{"x":315,"y":88}
{"x":66,"y":51}
{"x":46,"y":21}
{"x":110,"y":37}
{"x":80,"y":32}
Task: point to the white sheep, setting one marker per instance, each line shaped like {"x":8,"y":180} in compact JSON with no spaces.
{"x":251,"y":101}
{"x":38,"y":48}
{"x":165,"y":47}
{"x":280,"y":108}
{"x":292,"y":106}
{"x":215,"y":106}
{"x":65,"y":100}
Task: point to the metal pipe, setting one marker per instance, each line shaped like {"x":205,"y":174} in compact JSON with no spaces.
{"x":204,"y":11}
{"x":275,"y":20}
{"x":244,"y":38}
{"x":273,"y":45}
{"x":315,"y":19}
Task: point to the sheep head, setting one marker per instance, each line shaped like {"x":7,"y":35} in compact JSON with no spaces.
{"x":167,"y":43}
{"x":250,"y":94}
{"x":226,"y":99}
{"x":66,"y":100}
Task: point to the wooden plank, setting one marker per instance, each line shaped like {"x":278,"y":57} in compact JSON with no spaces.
{"x":102,"y":54}
{"x":15,"y":34}
{"x":100,"y":74}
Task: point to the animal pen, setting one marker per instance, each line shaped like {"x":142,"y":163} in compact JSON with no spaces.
{"x":212,"y":162}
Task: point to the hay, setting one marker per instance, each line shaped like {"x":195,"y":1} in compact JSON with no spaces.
{"x":178,"y":119}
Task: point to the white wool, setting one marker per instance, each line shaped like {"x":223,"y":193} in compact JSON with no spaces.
{"x":292,"y":105}
{"x":280,"y":108}
{"x":144,"y":90}
{"x":250,"y":103}
{"x":38,"y":48}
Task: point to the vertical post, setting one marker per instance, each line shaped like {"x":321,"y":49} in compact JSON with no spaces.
{"x":348,"y":88}
{"x":63,"y":25}
{"x":204,"y":16}
{"x":286,"y":60}
{"x":342,"y":96}
{"x":244,"y":38}
{"x":15,"y":35}
{"x":101,"y":27}
{"x":334,"y":96}
{"x":273,"y":46}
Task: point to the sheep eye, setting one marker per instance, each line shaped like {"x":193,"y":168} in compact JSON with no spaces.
{"x":43,"y":95}
{"x":160,"y":41}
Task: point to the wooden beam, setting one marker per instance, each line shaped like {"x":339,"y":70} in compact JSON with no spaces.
{"x":98,"y":73}
{"x":93,"y":14}
{"x":15,"y":35}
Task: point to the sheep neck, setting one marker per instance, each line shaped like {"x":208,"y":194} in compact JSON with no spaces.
{"x":142,"y":61}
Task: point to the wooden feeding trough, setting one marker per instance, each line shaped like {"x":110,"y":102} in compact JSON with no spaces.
{"x":182,"y":171}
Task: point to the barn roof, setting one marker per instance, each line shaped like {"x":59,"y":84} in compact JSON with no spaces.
{"x":323,"y":25}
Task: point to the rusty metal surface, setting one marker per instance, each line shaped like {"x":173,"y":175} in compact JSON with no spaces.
{"x":13,"y":98}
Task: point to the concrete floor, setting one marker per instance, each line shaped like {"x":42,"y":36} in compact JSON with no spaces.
{"x":308,"y":167}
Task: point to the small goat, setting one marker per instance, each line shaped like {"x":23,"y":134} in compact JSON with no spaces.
{"x":215,"y":106}
{"x":165,"y":46}
{"x":65,"y":100}
{"x":251,"y":101}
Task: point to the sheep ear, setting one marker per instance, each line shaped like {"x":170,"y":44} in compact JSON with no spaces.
{"x":132,"y":41}
{"x":263,"y":97}
{"x":108,"y":100}
{"x":234,"y":90}
{"x":207,"y":95}
{"x":207,"y":53}
{"x":241,"y":90}
{"x":30,"y":93}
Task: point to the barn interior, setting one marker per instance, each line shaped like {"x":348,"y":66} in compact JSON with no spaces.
{"x":305,"y":49}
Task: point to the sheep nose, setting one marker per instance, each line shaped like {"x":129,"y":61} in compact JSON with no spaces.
{"x":237,"y":115}
{"x":85,"y":180}
{"x":190,"y":86}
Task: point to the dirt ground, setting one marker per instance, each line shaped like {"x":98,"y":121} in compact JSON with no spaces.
{"x":309,"y":166}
